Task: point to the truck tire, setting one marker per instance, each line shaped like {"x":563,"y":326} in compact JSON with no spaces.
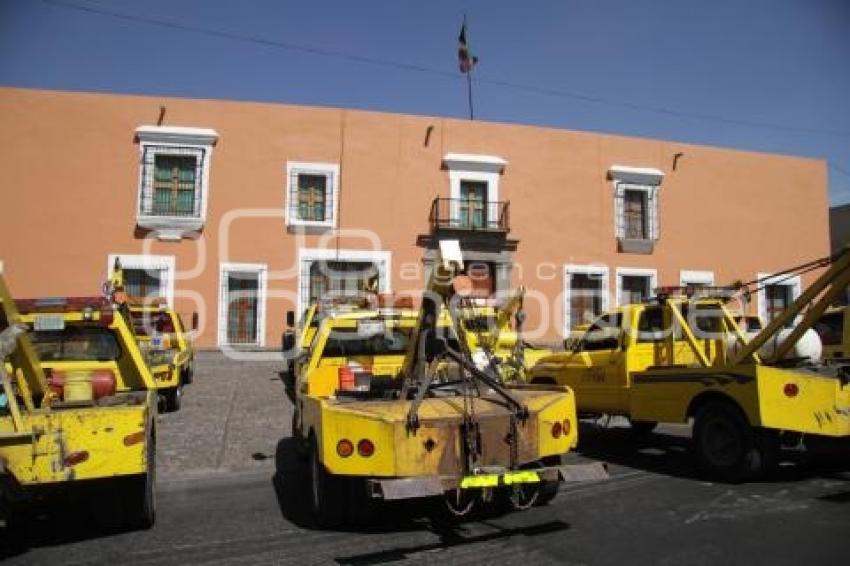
{"x":725,"y":444}
{"x":188,"y":375}
{"x":548,"y":488}
{"x":138,"y":494}
{"x":301,"y":446}
{"x":328,"y":494}
{"x":173,"y":399}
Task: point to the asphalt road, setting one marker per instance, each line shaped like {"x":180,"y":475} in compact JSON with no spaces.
{"x":653,"y":510}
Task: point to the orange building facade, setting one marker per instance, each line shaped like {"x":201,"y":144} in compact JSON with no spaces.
{"x":241,"y":211}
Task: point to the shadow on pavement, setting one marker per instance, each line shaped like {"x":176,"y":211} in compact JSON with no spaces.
{"x":76,"y":514}
{"x":452,"y":537}
{"x":671,"y":455}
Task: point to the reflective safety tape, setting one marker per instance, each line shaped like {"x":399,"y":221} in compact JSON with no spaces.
{"x":526,"y":476}
{"x":484,"y":480}
{"x":492,"y":480}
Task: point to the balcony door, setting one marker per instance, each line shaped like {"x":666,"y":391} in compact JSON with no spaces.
{"x":473,"y":205}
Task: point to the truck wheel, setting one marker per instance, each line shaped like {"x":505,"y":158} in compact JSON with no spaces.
{"x":327,"y":492}
{"x":725,"y":443}
{"x":138,"y":494}
{"x":301,"y":447}
{"x":548,"y":488}
{"x":188,"y":375}
{"x":642,"y":428}
{"x":173,"y":399}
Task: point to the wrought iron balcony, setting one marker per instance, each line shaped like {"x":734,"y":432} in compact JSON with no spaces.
{"x":469,"y":214}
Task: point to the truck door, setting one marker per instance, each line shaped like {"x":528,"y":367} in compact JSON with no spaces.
{"x":649,"y":347}
{"x":600,"y":383}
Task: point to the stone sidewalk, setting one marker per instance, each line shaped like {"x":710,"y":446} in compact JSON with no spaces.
{"x":232,"y":418}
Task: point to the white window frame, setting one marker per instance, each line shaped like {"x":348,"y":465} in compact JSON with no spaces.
{"x":331,"y":172}
{"x":472,"y":167}
{"x":571,"y":269}
{"x":643,"y":179}
{"x":306,"y":256}
{"x":197,"y":142}
{"x":687,"y":276}
{"x":637,"y":272}
{"x":262,"y":292}
{"x":765,"y":279}
{"x":165,"y":263}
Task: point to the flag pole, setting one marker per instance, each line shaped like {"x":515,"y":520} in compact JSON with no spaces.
{"x":469,"y":93}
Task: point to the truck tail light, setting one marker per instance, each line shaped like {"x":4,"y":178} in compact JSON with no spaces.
{"x":365,"y":448}
{"x":346,"y":379}
{"x":344,"y":448}
{"x":557,"y":430}
{"x":567,"y":427}
{"x":75,"y":458}
{"x":791,"y":390}
{"x":357,"y":378}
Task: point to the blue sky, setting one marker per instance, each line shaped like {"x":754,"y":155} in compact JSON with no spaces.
{"x":768,"y":75}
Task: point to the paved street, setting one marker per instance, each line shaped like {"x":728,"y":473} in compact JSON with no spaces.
{"x":231,"y":491}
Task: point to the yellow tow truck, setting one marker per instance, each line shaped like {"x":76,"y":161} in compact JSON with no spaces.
{"x":166,"y":346}
{"x":391,"y":407}
{"x":163,"y":339}
{"x":78,"y":405}
{"x":682,"y":358}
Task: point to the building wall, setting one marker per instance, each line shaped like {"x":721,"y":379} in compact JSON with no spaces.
{"x":71,"y":172}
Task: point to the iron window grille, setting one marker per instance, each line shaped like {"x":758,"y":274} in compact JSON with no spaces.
{"x":636,"y":212}
{"x":470,"y":214}
{"x":311,"y":197}
{"x":171,"y":181}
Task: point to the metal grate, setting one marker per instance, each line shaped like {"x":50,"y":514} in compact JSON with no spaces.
{"x":636,"y":211}
{"x":470,"y":214}
{"x":171,"y":181}
{"x":242,"y":307}
{"x":311,"y":195}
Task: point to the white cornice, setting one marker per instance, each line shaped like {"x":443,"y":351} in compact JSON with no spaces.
{"x":638,"y":175}
{"x":474,"y":162}
{"x":176,"y":134}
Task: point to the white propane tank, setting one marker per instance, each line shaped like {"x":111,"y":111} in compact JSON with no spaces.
{"x":808,"y":346}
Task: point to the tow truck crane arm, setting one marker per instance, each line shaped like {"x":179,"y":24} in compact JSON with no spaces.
{"x":444,"y":287}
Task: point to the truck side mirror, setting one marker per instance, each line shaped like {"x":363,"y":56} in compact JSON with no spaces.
{"x":194,"y":320}
{"x":290,"y":318}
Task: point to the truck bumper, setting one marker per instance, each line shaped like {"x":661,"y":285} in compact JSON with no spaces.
{"x":392,"y":489}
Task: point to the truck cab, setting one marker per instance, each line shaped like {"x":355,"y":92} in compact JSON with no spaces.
{"x":79,"y":404}
{"x":166,"y":345}
{"x":617,"y":344}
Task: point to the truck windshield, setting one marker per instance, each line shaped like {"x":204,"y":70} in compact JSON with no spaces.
{"x":604,"y":334}
{"x":345,"y":342}
{"x":77,"y":343}
{"x":146,"y":323}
